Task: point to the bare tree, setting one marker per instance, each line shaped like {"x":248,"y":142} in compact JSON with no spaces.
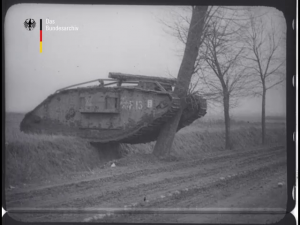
{"x":219,"y":65}
{"x":165,"y":139}
{"x":264,"y":59}
{"x":219,"y":74}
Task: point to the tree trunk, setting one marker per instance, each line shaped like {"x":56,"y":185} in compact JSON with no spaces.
{"x":167,"y":133}
{"x":165,"y":139}
{"x":263,"y":116}
{"x":228,"y":144}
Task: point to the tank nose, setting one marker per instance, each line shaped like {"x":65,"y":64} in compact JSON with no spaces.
{"x":28,"y":122}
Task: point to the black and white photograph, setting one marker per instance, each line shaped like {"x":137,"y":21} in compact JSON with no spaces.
{"x":145,"y":113}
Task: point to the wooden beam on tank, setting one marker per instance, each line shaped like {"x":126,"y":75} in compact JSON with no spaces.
{"x":115,"y":82}
{"x":130,"y":77}
{"x":160,"y":86}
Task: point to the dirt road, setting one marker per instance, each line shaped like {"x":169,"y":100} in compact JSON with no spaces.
{"x":229,"y":179}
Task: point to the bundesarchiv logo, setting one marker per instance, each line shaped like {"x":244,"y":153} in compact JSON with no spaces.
{"x":29,"y":24}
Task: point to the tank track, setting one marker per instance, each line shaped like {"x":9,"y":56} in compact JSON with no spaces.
{"x":149,"y":132}
{"x":153,"y":129}
{"x":187,"y":122}
{"x":145,"y":132}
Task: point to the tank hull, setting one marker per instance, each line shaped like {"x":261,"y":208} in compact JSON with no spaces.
{"x":107,"y":114}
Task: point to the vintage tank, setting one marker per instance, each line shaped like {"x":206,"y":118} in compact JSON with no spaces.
{"x":125,"y":108}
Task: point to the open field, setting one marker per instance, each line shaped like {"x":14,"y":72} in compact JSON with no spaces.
{"x":64,"y":172}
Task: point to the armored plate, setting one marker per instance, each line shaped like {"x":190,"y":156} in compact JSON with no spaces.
{"x":102,"y":114}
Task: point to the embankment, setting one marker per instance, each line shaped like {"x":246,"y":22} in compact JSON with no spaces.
{"x":34,"y":158}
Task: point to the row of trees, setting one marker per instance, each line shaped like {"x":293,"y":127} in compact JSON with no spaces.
{"x":229,"y":53}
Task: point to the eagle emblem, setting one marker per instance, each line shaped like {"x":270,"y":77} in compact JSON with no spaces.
{"x":29,"y":24}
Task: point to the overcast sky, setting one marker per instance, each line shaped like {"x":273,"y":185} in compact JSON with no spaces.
{"x":127,"y":39}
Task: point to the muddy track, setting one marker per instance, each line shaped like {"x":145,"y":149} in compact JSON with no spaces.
{"x":15,"y":198}
{"x":200,"y":196}
{"x":150,"y":186}
{"x":131,"y":188}
{"x":217,"y":157}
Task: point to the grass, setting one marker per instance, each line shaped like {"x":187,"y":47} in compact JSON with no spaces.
{"x":32,"y":158}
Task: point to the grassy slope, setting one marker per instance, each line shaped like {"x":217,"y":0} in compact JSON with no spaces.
{"x":37,"y":157}
{"x":33,"y":156}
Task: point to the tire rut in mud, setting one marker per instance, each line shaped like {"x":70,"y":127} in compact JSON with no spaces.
{"x":127,"y":194}
{"x":140,"y":190}
{"x":15,"y":197}
{"x":198,"y":196}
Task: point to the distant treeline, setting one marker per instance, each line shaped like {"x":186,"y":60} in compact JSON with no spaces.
{"x":275,"y":118}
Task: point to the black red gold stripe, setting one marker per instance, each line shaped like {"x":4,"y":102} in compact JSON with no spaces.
{"x":41,"y":35}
